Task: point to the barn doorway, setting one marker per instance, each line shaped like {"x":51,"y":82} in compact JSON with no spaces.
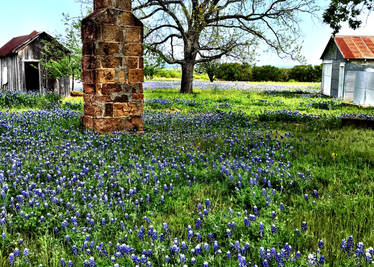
{"x":32,"y":76}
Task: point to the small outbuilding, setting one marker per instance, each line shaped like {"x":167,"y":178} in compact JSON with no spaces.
{"x":348,"y":69}
{"x":20,"y":68}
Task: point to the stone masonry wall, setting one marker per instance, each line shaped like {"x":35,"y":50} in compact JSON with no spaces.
{"x":112,"y":67}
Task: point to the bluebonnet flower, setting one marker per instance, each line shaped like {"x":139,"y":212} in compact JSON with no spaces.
{"x":273,"y":229}
{"x":228,"y":233}
{"x":262,"y":252}
{"x":26,"y":254}
{"x":199,"y":207}
{"x":207,"y":204}
{"x":321,"y":244}
{"x":205,"y":212}
{"x":273,"y":214}
{"x":165,"y":227}
{"x":360,"y":250}
{"x":141,"y":233}
{"x":261,"y":230}
{"x":368,"y":257}
{"x":247,"y":222}
{"x":184,"y":246}
{"x":206,"y":247}
{"x":215,"y":246}
{"x":304,"y":227}
{"x":198,"y":250}
{"x":312,"y":259}
{"x":198,"y":223}
{"x":210,"y":236}
{"x":11,"y":259}
{"x":193,"y":261}
{"x":147,"y":219}
{"x":255,"y":211}
{"x":232,"y":225}
{"x":182,"y":258}
{"x":92,"y":262}
{"x":198,"y":237}
{"x":74,"y":249}
{"x":190,"y":235}
{"x":237,"y":246}
{"x":16,"y":252}
{"x":242,"y":261}
{"x":350,"y":244}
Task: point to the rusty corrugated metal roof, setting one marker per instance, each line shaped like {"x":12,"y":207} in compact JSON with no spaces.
{"x":11,"y":46}
{"x":356,"y":47}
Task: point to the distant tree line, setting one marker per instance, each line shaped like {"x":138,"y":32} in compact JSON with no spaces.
{"x":246,"y":72}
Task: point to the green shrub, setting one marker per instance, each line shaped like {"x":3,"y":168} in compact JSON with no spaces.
{"x":234,"y":72}
{"x":168,"y":73}
{"x":267,"y":73}
{"x":13,"y":99}
{"x":306,"y":73}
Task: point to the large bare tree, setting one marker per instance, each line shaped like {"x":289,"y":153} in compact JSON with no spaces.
{"x":187,"y":32}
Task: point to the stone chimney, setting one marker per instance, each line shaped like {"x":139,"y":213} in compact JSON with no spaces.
{"x":120,"y":4}
{"x":112,"y":68}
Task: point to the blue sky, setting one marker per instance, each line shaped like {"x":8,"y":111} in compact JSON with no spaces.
{"x":21,"y":17}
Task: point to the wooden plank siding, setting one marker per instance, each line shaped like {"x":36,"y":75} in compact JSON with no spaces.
{"x":15,"y":63}
{"x":11,"y":64}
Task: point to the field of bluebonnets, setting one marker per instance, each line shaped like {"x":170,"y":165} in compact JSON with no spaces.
{"x":220,"y":178}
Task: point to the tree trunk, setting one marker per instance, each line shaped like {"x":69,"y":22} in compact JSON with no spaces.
{"x":72,"y":82}
{"x":187,"y":77}
{"x":211,"y":76}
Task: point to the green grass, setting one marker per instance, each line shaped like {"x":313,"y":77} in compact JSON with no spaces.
{"x":254,"y":103}
{"x":337,"y":161}
{"x":344,"y":180}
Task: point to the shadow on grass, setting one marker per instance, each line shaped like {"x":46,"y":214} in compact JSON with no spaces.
{"x":293,"y":94}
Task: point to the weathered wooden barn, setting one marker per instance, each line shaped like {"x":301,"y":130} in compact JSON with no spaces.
{"x":348,"y":69}
{"x":20,"y":68}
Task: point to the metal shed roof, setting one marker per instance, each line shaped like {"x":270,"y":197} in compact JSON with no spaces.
{"x":11,"y":46}
{"x":353,"y":47}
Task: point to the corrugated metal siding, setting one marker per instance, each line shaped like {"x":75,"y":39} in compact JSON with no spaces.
{"x":357,"y":52}
{"x":364,"y":88}
{"x":335,"y":78}
{"x":349,"y":85}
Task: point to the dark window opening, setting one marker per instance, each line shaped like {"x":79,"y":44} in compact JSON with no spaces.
{"x":32,"y":76}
